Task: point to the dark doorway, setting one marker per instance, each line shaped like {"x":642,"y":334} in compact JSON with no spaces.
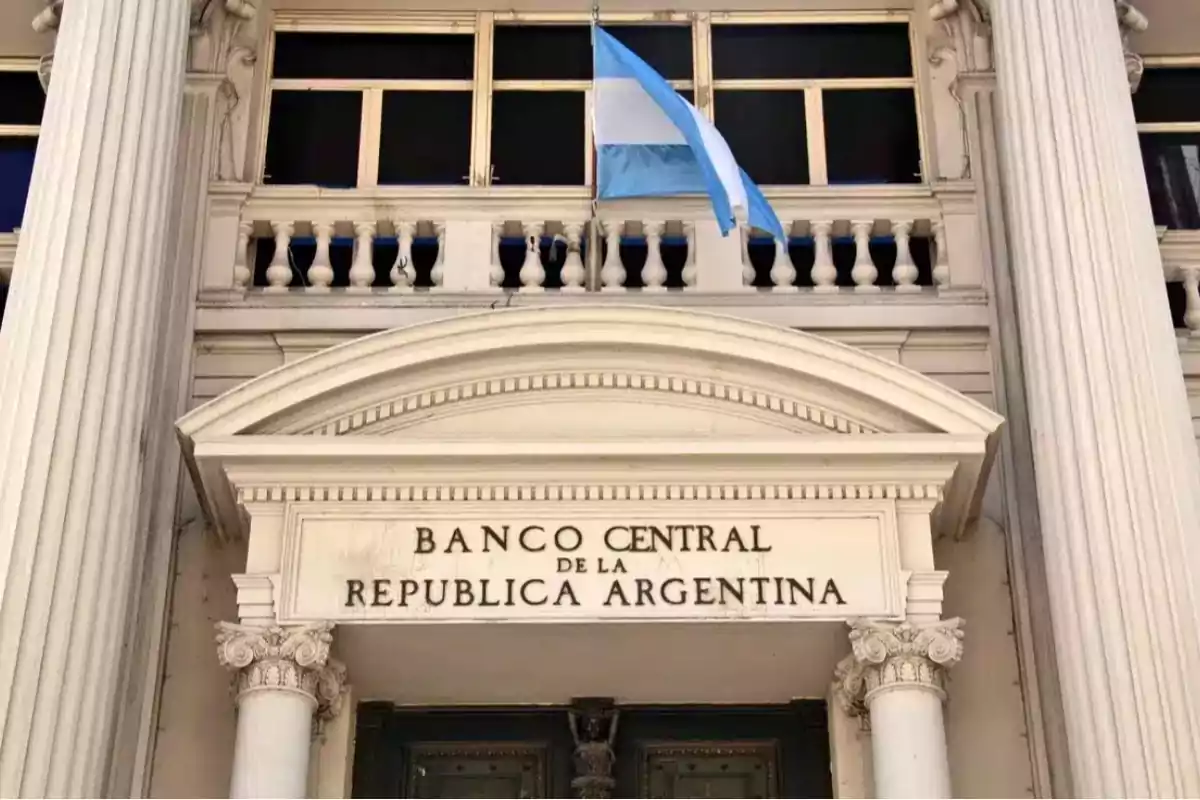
{"x":660,"y":752}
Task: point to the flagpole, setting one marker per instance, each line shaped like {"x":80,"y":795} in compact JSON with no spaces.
{"x":593,"y":229}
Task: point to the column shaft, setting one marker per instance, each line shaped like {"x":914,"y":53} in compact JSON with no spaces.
{"x":77,"y":348}
{"x":282,"y":676}
{"x":274,"y":734}
{"x":897,"y":675}
{"x":908,"y":744}
{"x":1117,"y":469}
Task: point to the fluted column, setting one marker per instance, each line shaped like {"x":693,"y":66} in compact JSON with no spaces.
{"x":76,"y":351}
{"x":1117,"y":470}
{"x":282,"y":678}
{"x":896,"y":674}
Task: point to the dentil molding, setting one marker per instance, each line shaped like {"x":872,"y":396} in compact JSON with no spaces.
{"x":887,"y":656}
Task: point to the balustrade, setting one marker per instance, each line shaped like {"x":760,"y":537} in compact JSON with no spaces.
{"x":348,"y":242}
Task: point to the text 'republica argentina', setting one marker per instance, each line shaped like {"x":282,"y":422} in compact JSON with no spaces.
{"x":566,"y":568}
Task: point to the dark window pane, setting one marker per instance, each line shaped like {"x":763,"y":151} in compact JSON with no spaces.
{"x":1172,"y":162}
{"x":1168,"y":95}
{"x":313,"y":138}
{"x":542,"y":52}
{"x":16,"y":167}
{"x":765,"y":131}
{"x":23,"y":98}
{"x":871,"y":136}
{"x":394,"y":56}
{"x":811,"y":51}
{"x":425,"y":138}
{"x":537,"y":138}
{"x":666,"y":48}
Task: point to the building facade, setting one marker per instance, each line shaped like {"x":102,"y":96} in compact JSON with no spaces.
{"x":333,"y":464}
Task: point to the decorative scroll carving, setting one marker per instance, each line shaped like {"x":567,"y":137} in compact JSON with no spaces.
{"x":225,"y":42}
{"x":594,"y":728}
{"x":890,"y":655}
{"x":1131,"y":21}
{"x":289,"y":659}
{"x":964,"y":46}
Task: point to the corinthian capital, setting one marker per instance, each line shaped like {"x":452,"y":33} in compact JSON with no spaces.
{"x":889,"y":655}
{"x":289,"y":659}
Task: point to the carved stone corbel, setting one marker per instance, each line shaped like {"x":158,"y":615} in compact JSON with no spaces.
{"x":963,"y":47}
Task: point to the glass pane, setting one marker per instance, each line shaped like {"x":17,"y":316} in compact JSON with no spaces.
{"x":313,"y":138}
{"x":425,"y":138}
{"x":24,"y":99}
{"x":666,"y":48}
{"x":811,"y":51}
{"x":766,"y":132}
{"x":395,"y":56}
{"x":871,"y":136}
{"x":1172,"y":162}
{"x":542,"y":52}
{"x":16,"y":167}
{"x":538,"y":138}
{"x":1168,"y":95}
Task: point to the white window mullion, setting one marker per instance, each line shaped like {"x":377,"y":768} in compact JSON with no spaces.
{"x":814,"y":126}
{"x":481,"y":110}
{"x":702,"y":64}
{"x":369,"y":135}
{"x":589,"y":139}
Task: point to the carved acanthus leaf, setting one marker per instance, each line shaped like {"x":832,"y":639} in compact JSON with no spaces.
{"x":888,"y":655}
{"x":292,"y":658}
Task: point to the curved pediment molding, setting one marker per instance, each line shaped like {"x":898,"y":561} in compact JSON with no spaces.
{"x":524,"y":354}
{"x":589,"y":397}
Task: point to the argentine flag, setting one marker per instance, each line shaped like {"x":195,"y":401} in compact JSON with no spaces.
{"x":650,"y":142}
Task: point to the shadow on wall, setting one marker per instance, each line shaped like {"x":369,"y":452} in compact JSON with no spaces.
{"x":193,"y":754}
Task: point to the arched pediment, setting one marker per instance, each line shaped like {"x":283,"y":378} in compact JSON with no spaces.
{"x":397,"y":379}
{"x":596,"y":374}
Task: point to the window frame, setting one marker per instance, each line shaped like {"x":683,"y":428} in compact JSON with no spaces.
{"x":1166,"y":63}
{"x":17,"y":64}
{"x":482,"y":25}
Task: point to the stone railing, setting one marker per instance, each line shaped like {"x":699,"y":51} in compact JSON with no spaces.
{"x":8,"y":255}
{"x":1181,"y":268}
{"x":853,"y":240}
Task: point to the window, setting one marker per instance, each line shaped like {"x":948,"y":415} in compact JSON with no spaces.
{"x":1167,"y":107}
{"x":502,"y":99}
{"x":20,"y":120}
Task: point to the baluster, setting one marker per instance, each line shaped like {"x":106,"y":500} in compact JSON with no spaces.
{"x":612,"y":274}
{"x":864,"y":272}
{"x":749,"y":273}
{"x":941,"y":263}
{"x":279,"y":271}
{"x":573,"y":273}
{"x":362,"y":271}
{"x":824,"y":273}
{"x":403,"y":274}
{"x":320,"y":272}
{"x":241,"y":270}
{"x":438,"y":271}
{"x":1191,"y":291}
{"x":654,"y":273}
{"x":783,"y":271}
{"x":533,"y":273}
{"x":690,"y":270}
{"x":496,"y":273}
{"x":904,"y":273}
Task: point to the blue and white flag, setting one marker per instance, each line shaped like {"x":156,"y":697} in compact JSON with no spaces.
{"x":650,"y":142}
